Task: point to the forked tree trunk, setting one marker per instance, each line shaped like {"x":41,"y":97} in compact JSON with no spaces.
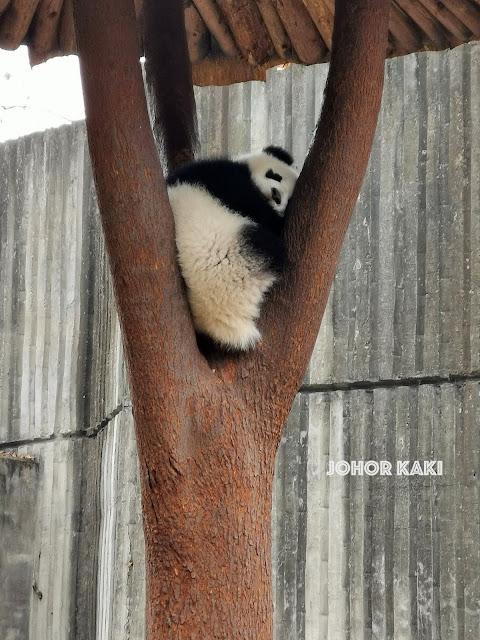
{"x":207,"y":425}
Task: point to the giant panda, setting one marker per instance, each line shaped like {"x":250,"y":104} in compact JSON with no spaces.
{"x":229,"y":216}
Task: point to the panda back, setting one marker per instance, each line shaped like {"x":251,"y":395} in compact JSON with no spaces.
{"x":226,"y":277}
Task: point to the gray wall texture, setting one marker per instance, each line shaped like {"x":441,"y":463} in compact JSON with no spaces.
{"x":394,"y":376}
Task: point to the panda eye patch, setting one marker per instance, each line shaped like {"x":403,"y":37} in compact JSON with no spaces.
{"x":273,"y":176}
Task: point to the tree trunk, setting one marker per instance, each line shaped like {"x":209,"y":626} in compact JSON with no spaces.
{"x":208,"y":425}
{"x":207,"y":527}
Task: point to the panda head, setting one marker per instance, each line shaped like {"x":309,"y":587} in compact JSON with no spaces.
{"x":273,"y":174}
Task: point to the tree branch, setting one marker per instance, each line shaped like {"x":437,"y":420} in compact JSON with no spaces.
{"x":159,"y":340}
{"x":169,"y":80}
{"x":324,"y":199}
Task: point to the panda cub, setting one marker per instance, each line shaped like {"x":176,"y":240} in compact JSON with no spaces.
{"x":229,"y":216}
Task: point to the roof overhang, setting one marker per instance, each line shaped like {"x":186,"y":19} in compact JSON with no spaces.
{"x":238,"y":40}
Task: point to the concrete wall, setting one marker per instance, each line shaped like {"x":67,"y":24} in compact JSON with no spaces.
{"x":394,"y":375}
{"x":18,"y":493}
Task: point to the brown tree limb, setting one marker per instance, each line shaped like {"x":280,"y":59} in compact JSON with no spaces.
{"x":160,"y":345}
{"x":322,"y":204}
{"x":168,"y":72}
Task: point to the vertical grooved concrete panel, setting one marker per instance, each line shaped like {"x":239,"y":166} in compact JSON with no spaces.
{"x":18,"y":493}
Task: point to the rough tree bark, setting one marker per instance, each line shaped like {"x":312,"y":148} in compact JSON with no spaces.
{"x":208,"y":426}
{"x":168,"y":73}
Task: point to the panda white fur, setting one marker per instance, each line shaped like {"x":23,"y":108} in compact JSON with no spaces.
{"x":229,"y":216}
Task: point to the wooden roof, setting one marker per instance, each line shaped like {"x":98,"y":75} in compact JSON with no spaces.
{"x":237,"y":40}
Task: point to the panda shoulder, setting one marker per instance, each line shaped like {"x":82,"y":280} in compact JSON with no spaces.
{"x":209,"y":173}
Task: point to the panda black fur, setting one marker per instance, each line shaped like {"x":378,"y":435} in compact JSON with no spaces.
{"x":228,"y":225}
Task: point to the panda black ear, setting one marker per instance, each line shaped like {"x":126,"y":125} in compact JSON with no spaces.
{"x":279,"y":153}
